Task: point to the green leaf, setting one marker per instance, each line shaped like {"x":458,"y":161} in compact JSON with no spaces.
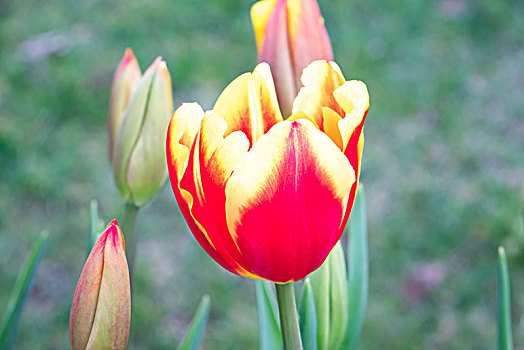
{"x":19,"y":294}
{"x":195,"y":334}
{"x":358,"y":264}
{"x":330,"y":290}
{"x":320,"y":283}
{"x":308,"y":318}
{"x":268,"y":321}
{"x":338,"y":314}
{"x":504,"y":304}
{"x":94,"y":225}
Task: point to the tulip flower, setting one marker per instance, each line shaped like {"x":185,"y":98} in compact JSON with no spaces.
{"x":138,"y":158}
{"x":268,"y":198}
{"x":290,"y":34}
{"x":125,"y":81}
{"x":101,"y":309}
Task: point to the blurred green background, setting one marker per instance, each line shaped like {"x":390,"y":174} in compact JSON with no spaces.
{"x":443,"y":163}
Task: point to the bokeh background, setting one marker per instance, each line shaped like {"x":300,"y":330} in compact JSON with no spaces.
{"x":443,"y":162}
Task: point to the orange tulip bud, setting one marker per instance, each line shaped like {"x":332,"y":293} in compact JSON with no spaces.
{"x":101,"y":310}
{"x":290,"y":34}
{"x":268,"y":198}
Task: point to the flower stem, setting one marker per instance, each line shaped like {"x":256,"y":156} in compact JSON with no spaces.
{"x":130,"y":213}
{"x":288,"y":316}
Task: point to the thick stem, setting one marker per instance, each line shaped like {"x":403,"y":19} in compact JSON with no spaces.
{"x":288,"y":316}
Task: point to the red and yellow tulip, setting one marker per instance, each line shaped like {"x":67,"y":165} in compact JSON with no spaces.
{"x":101,"y":310}
{"x":268,"y":198}
{"x":290,"y":34}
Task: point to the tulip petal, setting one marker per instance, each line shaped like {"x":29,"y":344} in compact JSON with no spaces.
{"x":85,"y":299}
{"x":324,"y":96}
{"x":146,"y":171}
{"x":181,"y":137}
{"x":126,"y":79}
{"x":307,"y":35}
{"x":275,"y":51}
{"x":200,"y":187}
{"x":249,"y":104}
{"x":260,"y":14}
{"x":287,"y":196}
{"x":353,"y":97}
{"x":320,"y":79}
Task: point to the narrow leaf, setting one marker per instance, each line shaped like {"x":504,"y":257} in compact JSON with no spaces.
{"x":338,"y":314}
{"x":94,"y":225}
{"x":195,"y":334}
{"x":320,"y":285}
{"x":268,"y":321}
{"x":505,"y":341}
{"x":19,"y":294}
{"x":358,"y":268}
{"x":308,"y":318}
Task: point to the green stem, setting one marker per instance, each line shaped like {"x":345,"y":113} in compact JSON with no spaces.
{"x":128,"y":229}
{"x":288,"y":316}
{"x":130,"y":213}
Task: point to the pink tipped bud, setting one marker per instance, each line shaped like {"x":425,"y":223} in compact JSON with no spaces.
{"x":101,"y":310}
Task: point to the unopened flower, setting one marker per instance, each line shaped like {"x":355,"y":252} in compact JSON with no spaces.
{"x":101,"y":309}
{"x":290,"y":34}
{"x":268,"y":198}
{"x":138,"y":157}
{"x":330,"y":292}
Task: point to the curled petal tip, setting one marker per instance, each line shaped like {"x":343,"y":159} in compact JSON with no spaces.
{"x":129,"y":55}
{"x":116,"y":231}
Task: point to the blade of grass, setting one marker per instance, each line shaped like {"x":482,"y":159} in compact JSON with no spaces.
{"x":94,"y":226}
{"x":308,"y":318}
{"x":358,"y":269}
{"x":19,"y":294}
{"x":268,"y":321}
{"x":195,"y":334}
{"x":505,"y":341}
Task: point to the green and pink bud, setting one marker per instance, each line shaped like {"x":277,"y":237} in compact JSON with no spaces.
{"x":126,"y":79}
{"x":290,"y":34}
{"x":139,"y":160}
{"x":101,"y":310}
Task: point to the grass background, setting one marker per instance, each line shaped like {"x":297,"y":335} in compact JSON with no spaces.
{"x":443,"y":163}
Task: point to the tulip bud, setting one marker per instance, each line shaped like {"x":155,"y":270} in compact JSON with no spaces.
{"x":101,"y":310}
{"x":290,"y":34}
{"x":330,"y":291}
{"x":139,"y":160}
{"x":125,"y":81}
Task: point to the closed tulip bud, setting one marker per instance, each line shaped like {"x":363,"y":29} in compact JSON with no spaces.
{"x":125,"y":81}
{"x":101,"y":309}
{"x":330,"y":291}
{"x":290,"y":34}
{"x":139,"y":160}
